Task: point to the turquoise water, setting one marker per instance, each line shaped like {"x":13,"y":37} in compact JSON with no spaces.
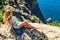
{"x":50,"y":9}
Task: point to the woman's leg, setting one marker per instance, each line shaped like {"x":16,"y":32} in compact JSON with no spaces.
{"x":30,"y":26}
{"x":22,"y":24}
{"x":27,"y":25}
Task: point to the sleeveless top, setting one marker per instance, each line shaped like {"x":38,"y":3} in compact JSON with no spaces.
{"x":15,"y":23}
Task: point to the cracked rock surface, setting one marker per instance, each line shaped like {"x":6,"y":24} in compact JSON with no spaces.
{"x":45,"y":32}
{"x":7,"y":34}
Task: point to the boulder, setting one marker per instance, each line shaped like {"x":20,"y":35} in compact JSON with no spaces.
{"x":29,"y":34}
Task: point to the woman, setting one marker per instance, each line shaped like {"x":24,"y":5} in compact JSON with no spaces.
{"x":11,"y":20}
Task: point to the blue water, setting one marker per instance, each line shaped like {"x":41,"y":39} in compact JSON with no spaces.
{"x":50,"y":9}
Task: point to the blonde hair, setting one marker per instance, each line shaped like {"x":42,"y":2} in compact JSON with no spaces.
{"x":7,"y":13}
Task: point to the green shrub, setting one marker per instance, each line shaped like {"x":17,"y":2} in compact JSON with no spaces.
{"x":1,"y":19}
{"x":35,"y":19}
{"x":1,"y":11}
{"x":54,"y":23}
{"x":1,"y":14}
{"x":1,"y":3}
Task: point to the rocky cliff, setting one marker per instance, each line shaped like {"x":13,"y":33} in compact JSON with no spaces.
{"x":25,"y":9}
{"x":7,"y":34}
{"x":45,"y":32}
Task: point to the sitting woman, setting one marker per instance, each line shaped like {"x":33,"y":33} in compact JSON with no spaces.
{"x":11,"y":20}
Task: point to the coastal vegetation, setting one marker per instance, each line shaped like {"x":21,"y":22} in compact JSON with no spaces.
{"x":1,"y":14}
{"x":35,"y":19}
{"x":54,"y":23}
{"x":1,"y":9}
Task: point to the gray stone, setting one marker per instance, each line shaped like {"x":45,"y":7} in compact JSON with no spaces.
{"x":7,"y":34}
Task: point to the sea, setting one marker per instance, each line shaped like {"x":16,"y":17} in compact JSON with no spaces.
{"x":50,"y":9}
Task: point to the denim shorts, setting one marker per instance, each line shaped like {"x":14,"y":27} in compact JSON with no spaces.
{"x":19,"y":31}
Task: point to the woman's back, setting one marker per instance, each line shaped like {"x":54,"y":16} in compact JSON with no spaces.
{"x":15,"y":22}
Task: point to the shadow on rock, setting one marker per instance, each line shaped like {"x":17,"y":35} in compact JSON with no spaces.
{"x":30,"y":34}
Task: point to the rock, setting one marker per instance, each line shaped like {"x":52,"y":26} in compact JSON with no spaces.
{"x":26,"y":37}
{"x":49,"y":20}
{"x":52,"y":32}
{"x":29,"y":7}
{"x":7,"y":34}
{"x":45,"y":32}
